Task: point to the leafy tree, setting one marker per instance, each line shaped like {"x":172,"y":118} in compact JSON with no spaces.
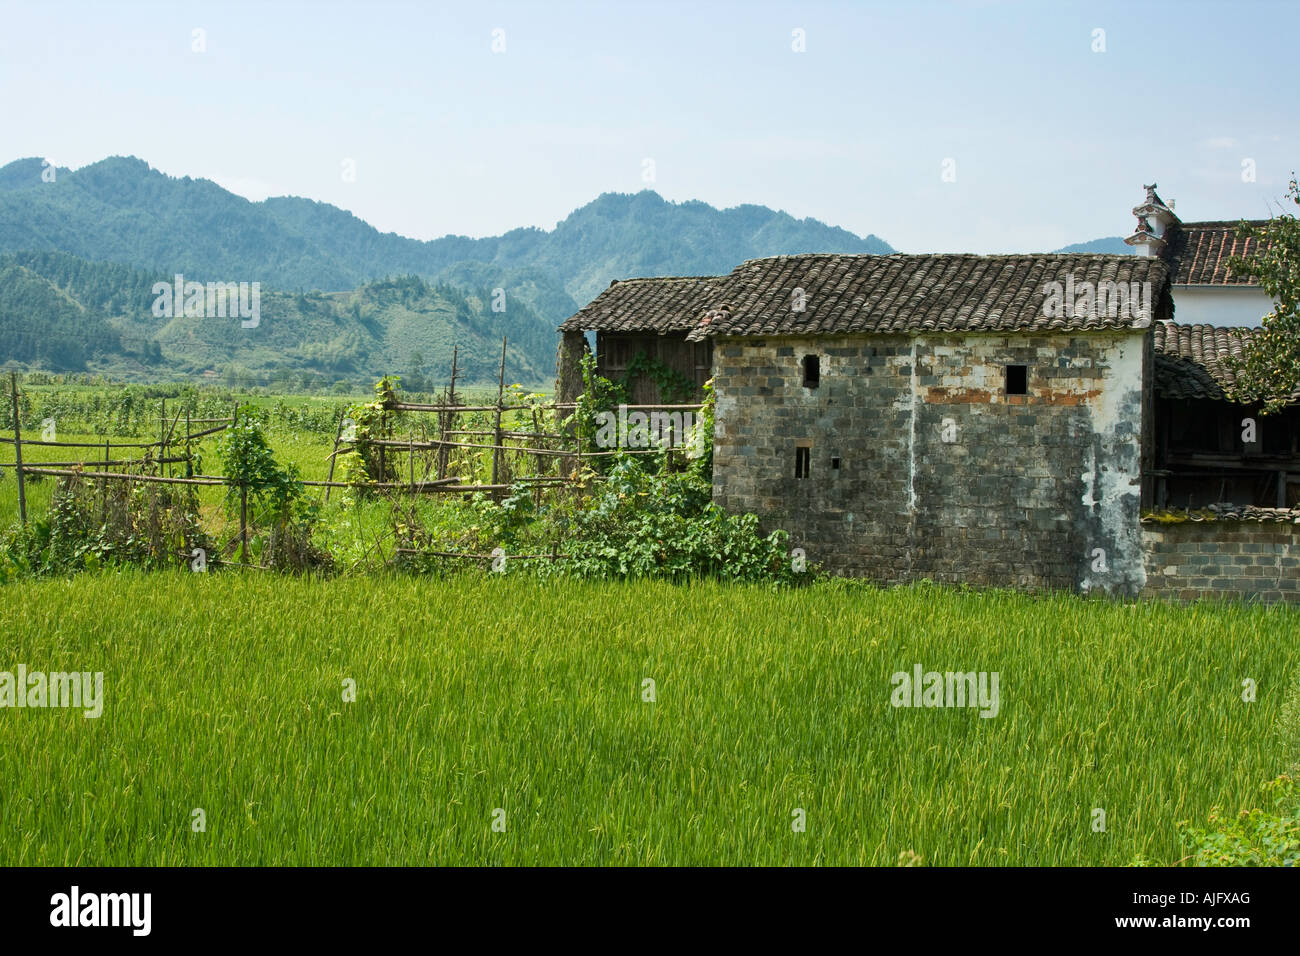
{"x":1268,"y":371}
{"x":415,"y":379}
{"x":251,"y":466}
{"x":279,"y":505}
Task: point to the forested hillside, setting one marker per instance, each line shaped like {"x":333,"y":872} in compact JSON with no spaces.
{"x":66,"y":314}
{"x":85,"y":248}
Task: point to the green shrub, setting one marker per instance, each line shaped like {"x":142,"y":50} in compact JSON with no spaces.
{"x":24,"y":551}
{"x":1255,"y":837}
{"x":281,"y":515}
{"x":666,"y":525}
{"x":114,"y":523}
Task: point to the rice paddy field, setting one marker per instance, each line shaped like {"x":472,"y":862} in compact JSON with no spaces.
{"x":502,"y":720}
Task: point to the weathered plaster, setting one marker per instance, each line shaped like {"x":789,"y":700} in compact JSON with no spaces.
{"x":1028,"y":490}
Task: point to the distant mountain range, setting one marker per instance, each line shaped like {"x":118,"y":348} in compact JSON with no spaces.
{"x":1111,"y":245}
{"x":67,"y":303}
{"x":80,"y":255}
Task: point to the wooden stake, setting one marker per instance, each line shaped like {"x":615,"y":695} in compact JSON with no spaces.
{"x":103,"y":484}
{"x":338,"y":433}
{"x":18,"y":450}
{"x":501,"y":387}
{"x":577,"y":441}
{"x":447,"y":419}
{"x":537,"y":461}
{"x":167,"y":441}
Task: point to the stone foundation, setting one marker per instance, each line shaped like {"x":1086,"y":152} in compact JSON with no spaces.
{"x":1222,"y":558}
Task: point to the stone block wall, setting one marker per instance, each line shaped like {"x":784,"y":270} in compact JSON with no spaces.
{"x":922,"y":466}
{"x":1224,"y":558}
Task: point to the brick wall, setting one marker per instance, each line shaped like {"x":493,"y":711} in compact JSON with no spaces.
{"x":941,"y":474}
{"x":1222,"y":558}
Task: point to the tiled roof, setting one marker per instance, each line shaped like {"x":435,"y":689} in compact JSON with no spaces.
{"x":1190,"y":359}
{"x":869,"y":293}
{"x":647,"y":305}
{"x":933,"y":293}
{"x":1200,"y":252}
{"x":1224,"y":511}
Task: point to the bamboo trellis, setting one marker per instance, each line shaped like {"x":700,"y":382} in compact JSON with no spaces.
{"x":557,"y":446}
{"x":539,"y":443}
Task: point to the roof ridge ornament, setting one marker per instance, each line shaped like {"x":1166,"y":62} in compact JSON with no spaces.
{"x":1155,"y":219}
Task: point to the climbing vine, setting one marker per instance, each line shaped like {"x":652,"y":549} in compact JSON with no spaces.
{"x":367,"y":463}
{"x":674,"y":387}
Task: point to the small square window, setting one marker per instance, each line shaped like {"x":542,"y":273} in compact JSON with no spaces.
{"x":835,"y":463}
{"x":1017,"y":379}
{"x":802,"y":462}
{"x":812,"y":371}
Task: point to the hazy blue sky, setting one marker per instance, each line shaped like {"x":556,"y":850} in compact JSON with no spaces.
{"x":1051,"y":141}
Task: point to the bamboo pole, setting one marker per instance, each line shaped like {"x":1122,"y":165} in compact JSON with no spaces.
{"x":167,"y":439}
{"x":558,"y":406}
{"x":95,"y":444}
{"x":211,"y":431}
{"x":507,"y":433}
{"x":447,"y":419}
{"x":484,"y":557}
{"x":243,"y":501}
{"x":338,"y":433}
{"x":121,"y":444}
{"x":147,"y":479}
{"x":397,"y":443}
{"x":428,"y":465}
{"x":447,"y":484}
{"x":537,"y":459}
{"x":501,"y":387}
{"x":18,"y":450}
{"x":103,"y":485}
{"x":313,"y":483}
{"x":107,"y":463}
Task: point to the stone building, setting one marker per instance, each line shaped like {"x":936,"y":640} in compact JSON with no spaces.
{"x":648,"y":318}
{"x":994,"y":420}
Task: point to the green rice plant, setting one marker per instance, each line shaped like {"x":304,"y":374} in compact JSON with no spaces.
{"x":501,"y":719}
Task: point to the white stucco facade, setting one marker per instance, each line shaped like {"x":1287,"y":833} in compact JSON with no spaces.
{"x":1220,"y":305}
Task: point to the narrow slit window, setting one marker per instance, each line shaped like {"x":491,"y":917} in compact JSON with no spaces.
{"x":1017,"y":379}
{"x":802,"y":462}
{"x":812,"y":371}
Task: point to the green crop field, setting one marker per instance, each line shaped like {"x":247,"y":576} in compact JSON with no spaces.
{"x":503,"y":720}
